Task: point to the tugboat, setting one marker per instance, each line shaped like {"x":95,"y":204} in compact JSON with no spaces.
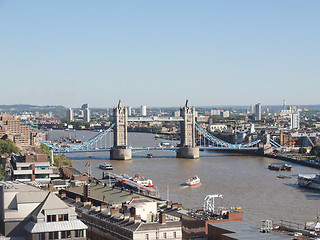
{"x":106,"y":166}
{"x":193,"y":181}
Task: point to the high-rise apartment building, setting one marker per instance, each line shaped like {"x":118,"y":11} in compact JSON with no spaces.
{"x":144,"y":110}
{"x":70,"y":115}
{"x":258,"y":111}
{"x":295,"y":120}
{"x":86,"y":115}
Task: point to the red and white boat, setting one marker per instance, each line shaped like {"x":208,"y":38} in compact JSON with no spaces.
{"x":193,"y":181}
{"x":145,"y":182}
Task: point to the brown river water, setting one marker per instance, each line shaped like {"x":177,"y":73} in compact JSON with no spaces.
{"x":244,"y":181}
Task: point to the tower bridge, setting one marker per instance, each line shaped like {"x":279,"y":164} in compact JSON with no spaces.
{"x":187,"y":148}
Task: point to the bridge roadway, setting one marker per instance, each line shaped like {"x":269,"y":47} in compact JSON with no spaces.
{"x":143,"y":149}
{"x":155,"y":119}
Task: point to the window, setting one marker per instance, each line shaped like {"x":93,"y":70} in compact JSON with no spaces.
{"x":175,"y":234}
{"x":51,"y":218}
{"x":147,"y":236}
{"x":63,"y":217}
{"x":164,"y":235}
{"x":53,"y":235}
{"x":78,"y":233}
{"x":40,"y":236}
{"x":65,"y":234}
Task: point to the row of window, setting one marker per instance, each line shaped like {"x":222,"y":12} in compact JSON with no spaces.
{"x":62,"y":235}
{"x":36,"y":168}
{"x":28,"y":176}
{"x":57,"y":218}
{"x":164,"y":235}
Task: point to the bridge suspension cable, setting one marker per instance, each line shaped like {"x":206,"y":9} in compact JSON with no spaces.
{"x":222,"y":143}
{"x":81,"y":146}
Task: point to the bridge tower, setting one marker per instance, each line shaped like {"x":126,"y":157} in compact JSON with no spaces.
{"x":120,"y":150}
{"x":188,"y":147}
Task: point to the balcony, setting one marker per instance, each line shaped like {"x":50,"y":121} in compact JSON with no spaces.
{"x":43,"y":171}
{"x":22,"y":172}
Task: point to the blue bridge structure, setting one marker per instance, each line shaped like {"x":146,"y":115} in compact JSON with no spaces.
{"x":189,"y":131}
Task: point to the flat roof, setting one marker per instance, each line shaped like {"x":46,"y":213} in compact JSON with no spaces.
{"x":109,"y":194}
{"x":243,"y":230}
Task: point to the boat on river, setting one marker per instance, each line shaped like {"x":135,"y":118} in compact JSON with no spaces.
{"x":284,"y":167}
{"x":309,"y":181}
{"x":149,"y":155}
{"x":106,"y":166}
{"x":193,"y":181}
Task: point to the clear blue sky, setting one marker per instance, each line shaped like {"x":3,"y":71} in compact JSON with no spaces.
{"x":158,"y":53}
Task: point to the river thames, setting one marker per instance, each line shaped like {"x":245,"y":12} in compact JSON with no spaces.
{"x":244,"y":181}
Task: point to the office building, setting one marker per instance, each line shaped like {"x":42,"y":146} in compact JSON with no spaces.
{"x":143,"y":110}
{"x":86,"y":115}
{"x":129,"y":111}
{"x":32,"y":167}
{"x":284,"y":105}
{"x":258,"y":111}
{"x":70,"y":115}
{"x":84,"y":106}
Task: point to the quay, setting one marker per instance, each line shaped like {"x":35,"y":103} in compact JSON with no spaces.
{"x":304,"y":162}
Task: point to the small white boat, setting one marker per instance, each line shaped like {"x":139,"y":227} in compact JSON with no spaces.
{"x":193,"y":181}
{"x":106,"y":166}
{"x":149,"y":155}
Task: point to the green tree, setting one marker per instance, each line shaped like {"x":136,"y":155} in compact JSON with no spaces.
{"x":60,"y":159}
{"x":2,"y":172}
{"x":46,"y":150}
{"x":8,"y":146}
{"x":316,"y":150}
{"x":302,"y":150}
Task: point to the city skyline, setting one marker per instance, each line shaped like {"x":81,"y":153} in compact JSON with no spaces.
{"x":159,"y":54}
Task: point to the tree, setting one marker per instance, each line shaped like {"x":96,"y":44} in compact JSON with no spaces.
{"x":8,"y":146}
{"x":316,"y":150}
{"x":302,"y":150}
{"x":2,"y":172}
{"x":45,"y":149}
{"x":61,"y":160}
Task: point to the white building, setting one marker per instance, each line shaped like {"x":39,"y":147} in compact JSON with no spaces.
{"x":258,"y":111}
{"x":70,"y":115}
{"x":144,"y":110}
{"x":217,"y":127}
{"x":215,"y":112}
{"x":86,"y":115}
{"x":129,"y":111}
{"x":225,"y":114}
{"x":295,"y":120}
{"x":29,"y":212}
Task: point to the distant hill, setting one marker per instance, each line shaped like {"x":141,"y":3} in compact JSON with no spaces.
{"x":59,"y":111}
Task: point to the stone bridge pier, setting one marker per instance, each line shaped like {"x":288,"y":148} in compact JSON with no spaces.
{"x":120,"y":150}
{"x":188,"y":147}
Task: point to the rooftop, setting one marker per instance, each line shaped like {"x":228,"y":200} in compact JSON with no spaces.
{"x":109,"y":194}
{"x":246,"y":231}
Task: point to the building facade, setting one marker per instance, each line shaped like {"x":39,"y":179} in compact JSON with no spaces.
{"x":32,"y":213}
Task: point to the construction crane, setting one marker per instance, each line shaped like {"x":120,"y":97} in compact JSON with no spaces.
{"x":208,"y":203}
